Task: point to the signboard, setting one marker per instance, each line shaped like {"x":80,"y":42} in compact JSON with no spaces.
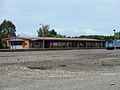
{"x":16,"y":39}
{"x":33,"y":39}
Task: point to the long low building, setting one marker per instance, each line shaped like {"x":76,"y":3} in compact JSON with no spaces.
{"x":48,"y":42}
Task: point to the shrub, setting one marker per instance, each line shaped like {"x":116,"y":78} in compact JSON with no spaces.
{"x":63,"y":65}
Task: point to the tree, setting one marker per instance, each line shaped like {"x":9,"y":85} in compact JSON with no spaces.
{"x":117,"y":35}
{"x":53,"y":33}
{"x":99,"y":37}
{"x":60,"y":36}
{"x":7,"y":29}
{"x":40,"y":32}
{"x":47,"y":31}
{"x":44,"y":28}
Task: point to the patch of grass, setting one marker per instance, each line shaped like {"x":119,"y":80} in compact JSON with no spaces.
{"x":95,"y":57}
{"x":115,"y":60}
{"x":49,"y":61}
{"x":62,"y":65}
{"x":103,"y":64}
{"x":82,"y":64}
{"x":95,"y":63}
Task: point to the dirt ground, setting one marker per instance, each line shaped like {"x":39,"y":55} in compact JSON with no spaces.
{"x":93,"y":69}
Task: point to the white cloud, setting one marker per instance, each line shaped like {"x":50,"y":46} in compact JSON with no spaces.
{"x":91,"y":32}
{"x":79,"y":32}
{"x":60,"y":31}
{"x":26,"y":34}
{"x":65,"y":32}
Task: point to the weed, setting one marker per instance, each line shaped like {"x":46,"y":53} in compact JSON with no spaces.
{"x":115,"y":60}
{"x":63,"y":65}
{"x":81,"y":64}
{"x":96,"y":63}
{"x":103,"y":64}
{"x":95,"y":57}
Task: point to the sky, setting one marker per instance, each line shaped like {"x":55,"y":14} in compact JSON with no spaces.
{"x":67,"y":17}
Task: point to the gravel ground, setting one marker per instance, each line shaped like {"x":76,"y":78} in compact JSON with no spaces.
{"x":94,"y":69}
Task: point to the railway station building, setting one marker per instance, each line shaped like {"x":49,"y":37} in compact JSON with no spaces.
{"x":37,"y":42}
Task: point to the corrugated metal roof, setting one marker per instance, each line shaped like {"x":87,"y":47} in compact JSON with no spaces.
{"x":54,"y":39}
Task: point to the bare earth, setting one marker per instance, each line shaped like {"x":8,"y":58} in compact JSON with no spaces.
{"x":96,"y":69}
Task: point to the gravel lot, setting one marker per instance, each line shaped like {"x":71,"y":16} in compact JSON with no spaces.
{"x":93,"y":69}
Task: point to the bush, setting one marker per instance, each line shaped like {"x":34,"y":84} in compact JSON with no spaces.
{"x":63,"y":65}
{"x":4,"y":45}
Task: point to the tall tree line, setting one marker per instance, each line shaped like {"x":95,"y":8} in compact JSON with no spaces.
{"x":99,"y":37}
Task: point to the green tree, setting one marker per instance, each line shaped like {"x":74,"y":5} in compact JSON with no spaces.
{"x":117,"y":35}
{"x":40,"y":32}
{"x":44,"y":28}
{"x":47,"y":31}
{"x":99,"y":37}
{"x":53,"y":33}
{"x":7,"y":29}
{"x":60,"y":36}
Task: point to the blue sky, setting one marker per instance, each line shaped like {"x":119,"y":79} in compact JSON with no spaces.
{"x":67,"y":17}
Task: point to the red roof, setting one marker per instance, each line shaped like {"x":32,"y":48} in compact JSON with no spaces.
{"x":55,"y":39}
{"x":16,"y":37}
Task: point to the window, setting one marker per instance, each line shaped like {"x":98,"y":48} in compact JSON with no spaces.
{"x":62,"y":43}
{"x":55,"y":43}
{"x":16,"y":43}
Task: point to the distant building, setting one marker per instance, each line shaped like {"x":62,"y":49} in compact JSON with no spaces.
{"x":37,"y":42}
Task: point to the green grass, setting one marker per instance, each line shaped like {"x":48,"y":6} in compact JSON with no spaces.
{"x":103,"y":64}
{"x":115,"y":60}
{"x":82,"y":64}
{"x":62,"y":65}
{"x":94,"y":57}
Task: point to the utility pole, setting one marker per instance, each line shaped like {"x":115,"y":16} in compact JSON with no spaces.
{"x":0,"y":40}
{"x":114,"y":34}
{"x":43,"y":37}
{"x":119,"y":34}
{"x":114,"y":40}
